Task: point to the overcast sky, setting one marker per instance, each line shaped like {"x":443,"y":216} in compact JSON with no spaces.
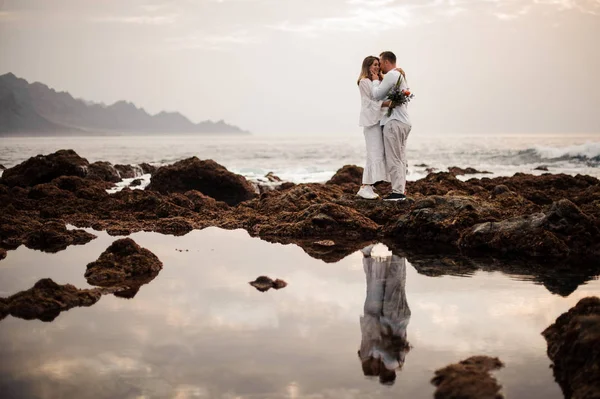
{"x":290,"y":66}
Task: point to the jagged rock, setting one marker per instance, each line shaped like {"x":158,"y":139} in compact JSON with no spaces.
{"x":2,"y":167}
{"x":208,"y":177}
{"x":147,"y":168}
{"x":176,"y":226}
{"x":103,"y":171}
{"x":264,"y":283}
{"x":563,"y":230}
{"x":128,"y":171}
{"x":123,"y":263}
{"x":2,"y":253}
{"x":53,"y":236}
{"x":421,"y":165}
{"x":574,"y":348}
{"x":48,"y":190}
{"x":320,"y":220}
{"x":349,"y":178}
{"x":46,"y":299}
{"x":456,"y":171}
{"x":439,"y":219}
{"x":468,"y":379}
{"x":542,"y":167}
{"x":44,"y":168}
{"x":272,"y":178}
{"x":135,"y":183}
{"x":500,"y":189}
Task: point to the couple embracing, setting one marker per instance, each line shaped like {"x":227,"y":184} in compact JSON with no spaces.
{"x":386,"y":125}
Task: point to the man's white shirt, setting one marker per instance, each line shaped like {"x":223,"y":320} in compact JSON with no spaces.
{"x":380,"y":91}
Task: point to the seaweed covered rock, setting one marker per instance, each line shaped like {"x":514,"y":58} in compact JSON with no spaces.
{"x":123,"y":263}
{"x":46,"y":299}
{"x":574,"y":348}
{"x":468,"y":379}
{"x":104,"y":171}
{"x":45,"y":168}
{"x":561,"y":231}
{"x":208,"y":177}
{"x":349,"y":177}
{"x":264,"y":283}
{"x":53,"y":236}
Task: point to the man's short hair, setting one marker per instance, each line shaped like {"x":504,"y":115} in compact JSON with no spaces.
{"x":389,"y":56}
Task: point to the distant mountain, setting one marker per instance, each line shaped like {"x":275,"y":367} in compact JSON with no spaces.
{"x":34,"y":108}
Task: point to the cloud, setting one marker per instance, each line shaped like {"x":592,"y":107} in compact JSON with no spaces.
{"x":381,"y":15}
{"x":217,"y":42}
{"x":140,"y":19}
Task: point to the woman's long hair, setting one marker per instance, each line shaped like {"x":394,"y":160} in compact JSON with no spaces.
{"x":364,"y":72}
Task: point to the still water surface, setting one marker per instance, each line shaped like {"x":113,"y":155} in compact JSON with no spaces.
{"x":200,"y":331}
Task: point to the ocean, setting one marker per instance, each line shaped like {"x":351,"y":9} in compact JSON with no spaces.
{"x":310,"y":158}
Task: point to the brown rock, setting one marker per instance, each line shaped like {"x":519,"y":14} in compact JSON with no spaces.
{"x":176,"y":226}
{"x":468,"y":379}
{"x":321,"y":220}
{"x":48,"y":190}
{"x":2,"y":167}
{"x":147,"y":168}
{"x":542,"y":167}
{"x":349,"y":177}
{"x":208,"y":177}
{"x":456,"y":171}
{"x":46,"y":300}
{"x":574,"y":348}
{"x":264,"y":283}
{"x":103,"y":171}
{"x":123,"y":263}
{"x":44,"y":168}
{"x":135,"y":183}
{"x":128,"y":171}
{"x":561,"y":231}
{"x":2,"y":253}
{"x":438,"y":219}
{"x":272,"y":178}
{"x":53,"y":236}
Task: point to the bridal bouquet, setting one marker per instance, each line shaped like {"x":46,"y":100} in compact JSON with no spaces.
{"x":398,"y":96}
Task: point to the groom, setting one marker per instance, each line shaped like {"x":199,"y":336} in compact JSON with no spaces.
{"x":396,"y":127}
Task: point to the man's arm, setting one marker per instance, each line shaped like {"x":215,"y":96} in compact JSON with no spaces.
{"x":381,"y":89}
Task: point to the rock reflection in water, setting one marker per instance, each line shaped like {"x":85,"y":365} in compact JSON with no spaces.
{"x":386,"y":315}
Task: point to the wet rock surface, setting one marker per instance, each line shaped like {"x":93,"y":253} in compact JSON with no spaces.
{"x":53,"y":236}
{"x":456,"y":171}
{"x":123,"y":264}
{"x":46,"y":300}
{"x":264,"y":283}
{"x":103,"y":171}
{"x":208,"y":177}
{"x":468,"y":379}
{"x":135,"y":183}
{"x":574,"y":348}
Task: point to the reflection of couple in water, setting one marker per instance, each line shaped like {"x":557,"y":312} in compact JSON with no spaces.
{"x":386,"y":316}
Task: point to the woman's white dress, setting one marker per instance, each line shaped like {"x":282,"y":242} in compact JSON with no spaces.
{"x":370,"y":116}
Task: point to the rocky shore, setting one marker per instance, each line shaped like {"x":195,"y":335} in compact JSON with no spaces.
{"x":555,"y":217}
{"x":574,"y":347}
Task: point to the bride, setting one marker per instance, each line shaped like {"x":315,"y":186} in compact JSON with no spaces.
{"x":371,"y":112}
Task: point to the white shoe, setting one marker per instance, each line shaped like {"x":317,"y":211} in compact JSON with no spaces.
{"x":367,"y":192}
{"x":367,"y":250}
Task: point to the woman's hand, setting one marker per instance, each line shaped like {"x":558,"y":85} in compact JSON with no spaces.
{"x":401,"y":71}
{"x":374,"y":76}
